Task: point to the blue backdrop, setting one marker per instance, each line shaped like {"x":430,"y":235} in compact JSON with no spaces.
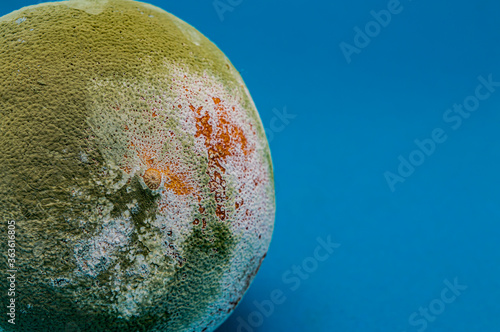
{"x":383,"y":118}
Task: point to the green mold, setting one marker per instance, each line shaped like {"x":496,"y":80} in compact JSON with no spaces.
{"x":71,"y":61}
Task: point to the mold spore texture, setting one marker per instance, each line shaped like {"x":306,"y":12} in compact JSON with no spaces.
{"x":135,"y":166}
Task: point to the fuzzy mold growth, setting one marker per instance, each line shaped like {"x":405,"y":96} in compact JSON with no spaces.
{"x":134,"y":166}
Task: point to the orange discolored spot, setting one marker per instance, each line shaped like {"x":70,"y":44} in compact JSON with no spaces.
{"x":127,"y":169}
{"x":176,"y":182}
{"x":222,"y":139}
{"x":237,"y":205}
{"x":152,"y":178}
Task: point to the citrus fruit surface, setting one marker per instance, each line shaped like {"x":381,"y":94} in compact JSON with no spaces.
{"x":136,"y":187}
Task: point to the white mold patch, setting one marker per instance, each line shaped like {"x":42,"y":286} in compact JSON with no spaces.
{"x":96,"y":254}
{"x":20,"y":20}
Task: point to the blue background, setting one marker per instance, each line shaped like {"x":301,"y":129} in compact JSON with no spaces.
{"x":352,"y":122}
